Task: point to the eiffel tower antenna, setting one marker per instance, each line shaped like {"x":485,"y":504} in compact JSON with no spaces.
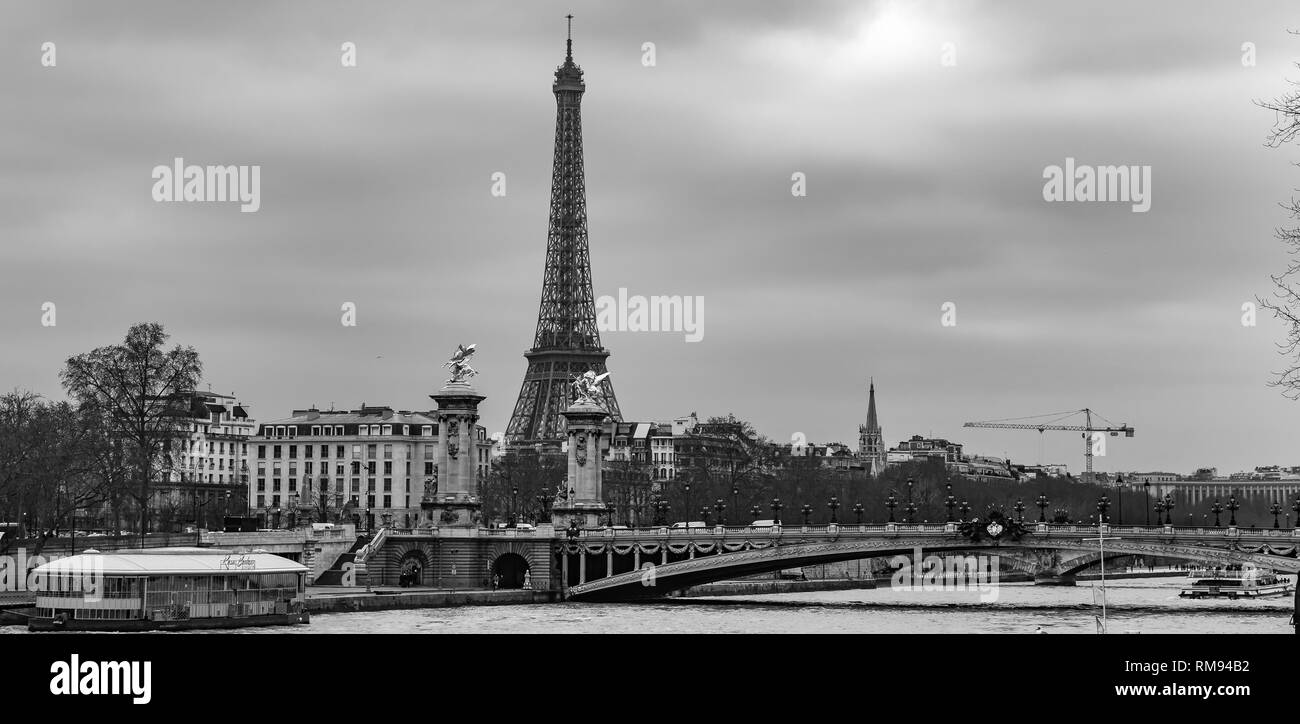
{"x":567,"y":343}
{"x":569,"y":54}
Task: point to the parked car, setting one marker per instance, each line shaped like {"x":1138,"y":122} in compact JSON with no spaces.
{"x":692,"y":524}
{"x":763,"y":523}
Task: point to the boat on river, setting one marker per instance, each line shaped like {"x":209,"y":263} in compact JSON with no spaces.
{"x":168,"y":589}
{"x":1234,"y":583}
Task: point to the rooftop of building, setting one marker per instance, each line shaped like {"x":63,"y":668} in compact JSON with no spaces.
{"x":365,"y":414}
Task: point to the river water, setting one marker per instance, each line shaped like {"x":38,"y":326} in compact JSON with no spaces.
{"x":1148,"y":605}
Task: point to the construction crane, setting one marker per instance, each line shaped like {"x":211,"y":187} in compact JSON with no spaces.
{"x":1039,"y":423}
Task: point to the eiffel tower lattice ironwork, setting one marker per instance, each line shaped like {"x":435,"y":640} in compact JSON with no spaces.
{"x":567,"y":343}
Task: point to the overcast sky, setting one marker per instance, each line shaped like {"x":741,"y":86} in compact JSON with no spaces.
{"x":924,"y":186}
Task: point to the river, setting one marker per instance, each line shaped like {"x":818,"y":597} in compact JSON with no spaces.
{"x":1147,"y":606}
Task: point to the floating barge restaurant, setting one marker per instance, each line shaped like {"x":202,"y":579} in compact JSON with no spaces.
{"x":168,"y":589}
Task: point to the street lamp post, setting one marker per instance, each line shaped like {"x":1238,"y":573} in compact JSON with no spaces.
{"x":1146,"y":489}
{"x":1296,"y":507}
{"x":911,"y":508}
{"x":950,"y":502}
{"x":1216,"y":509}
{"x":1233,"y":506}
{"x":720,"y":506}
{"x":1042,"y":504}
{"x":1103,"y":503}
{"x":834,"y":505}
{"x":857,"y":510}
{"x":686,"y":489}
{"x":755,"y":511}
{"x":704,"y":513}
{"x":735,"y":499}
{"x":776,"y":511}
{"x":1159,"y":507}
{"x":1169,"y":505}
{"x":1276,"y":510}
{"x":965,"y":508}
{"x":514,"y":496}
{"x":891,"y":502}
{"x":1119,"y":496}
{"x":1019,"y":507}
{"x":807,"y":511}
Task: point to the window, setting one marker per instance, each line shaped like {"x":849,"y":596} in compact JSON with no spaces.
{"x":275,"y":501}
{"x":356,"y":452}
{"x":388,"y":467}
{"x":338,"y":431}
{"x":388,"y":485}
{"x":307,"y":467}
{"x":370,"y":486}
{"x":338,"y":469}
{"x":275,"y":452}
{"x":293,"y":431}
{"x":293,"y":485}
{"x":261,"y":501}
{"x":428,"y":452}
{"x":279,"y":431}
{"x":315,"y":430}
{"x":388,"y":501}
{"x":293,"y":452}
{"x":261,"y":486}
{"x":308,"y":450}
{"x":275,"y":485}
{"x":427,"y":431}
{"x":338,"y":451}
{"x":428,"y":468}
{"x":370,"y":450}
{"x":388,"y":429}
{"x":406,"y":430}
{"x":388,"y":451}
{"x":356,"y":486}
{"x":325,"y":451}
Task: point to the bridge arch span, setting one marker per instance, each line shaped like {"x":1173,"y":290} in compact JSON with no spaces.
{"x":655,"y":581}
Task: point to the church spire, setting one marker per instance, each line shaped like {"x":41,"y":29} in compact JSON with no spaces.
{"x":871,"y":440}
{"x":872,"y":424}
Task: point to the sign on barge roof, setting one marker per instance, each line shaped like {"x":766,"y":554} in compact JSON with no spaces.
{"x":171,"y":562}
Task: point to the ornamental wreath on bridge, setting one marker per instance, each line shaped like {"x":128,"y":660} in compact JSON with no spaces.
{"x":998,"y":526}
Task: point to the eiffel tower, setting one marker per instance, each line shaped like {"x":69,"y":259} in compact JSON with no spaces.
{"x":567,"y":343}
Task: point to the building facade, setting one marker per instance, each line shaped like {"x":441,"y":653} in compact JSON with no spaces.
{"x":205,"y":472}
{"x":923,"y":448}
{"x":373,"y":466}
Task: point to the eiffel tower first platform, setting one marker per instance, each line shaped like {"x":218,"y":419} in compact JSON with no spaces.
{"x":567,"y":343}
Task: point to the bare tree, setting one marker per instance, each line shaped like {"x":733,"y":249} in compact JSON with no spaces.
{"x":19,"y":449}
{"x":1285,"y":304}
{"x":140,"y":390}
